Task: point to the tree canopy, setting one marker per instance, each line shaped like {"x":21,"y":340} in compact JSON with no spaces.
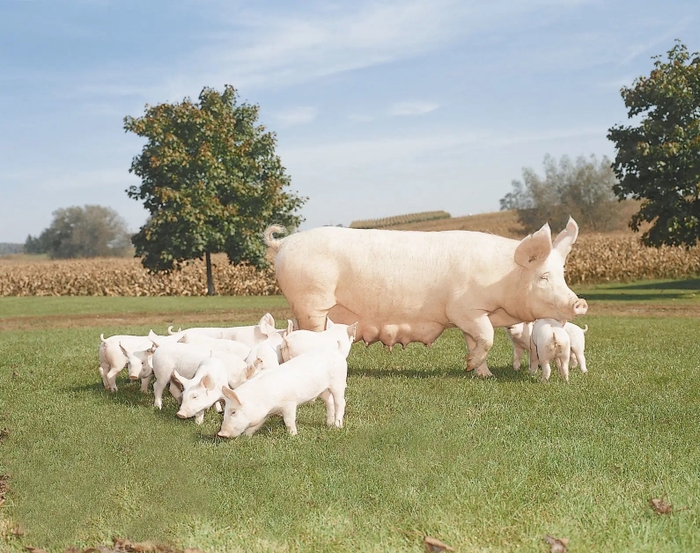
{"x":89,"y":231}
{"x":658,"y":157}
{"x":210,"y":180}
{"x":582,"y":189}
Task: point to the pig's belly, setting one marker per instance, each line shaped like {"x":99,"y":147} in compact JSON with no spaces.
{"x":388,"y":330}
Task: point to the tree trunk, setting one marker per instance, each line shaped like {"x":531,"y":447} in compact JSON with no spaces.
{"x":210,"y":276}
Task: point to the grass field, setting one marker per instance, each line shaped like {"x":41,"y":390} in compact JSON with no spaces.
{"x":427,"y":449}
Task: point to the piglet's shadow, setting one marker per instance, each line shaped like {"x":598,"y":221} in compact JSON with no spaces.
{"x":501,"y":374}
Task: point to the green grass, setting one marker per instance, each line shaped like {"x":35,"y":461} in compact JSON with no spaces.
{"x":483,"y":465}
{"x":89,"y":305}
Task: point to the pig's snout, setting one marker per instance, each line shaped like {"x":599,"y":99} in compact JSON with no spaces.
{"x":223,"y":434}
{"x":580,"y":307}
{"x":133,"y":377}
{"x":180,"y":415}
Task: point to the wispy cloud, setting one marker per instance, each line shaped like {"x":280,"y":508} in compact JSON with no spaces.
{"x":297,"y":116}
{"x":412,"y":108}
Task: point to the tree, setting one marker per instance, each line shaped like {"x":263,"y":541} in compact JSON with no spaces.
{"x":581,"y":189}
{"x":658,"y":158}
{"x":90,"y":231}
{"x":210,"y":180}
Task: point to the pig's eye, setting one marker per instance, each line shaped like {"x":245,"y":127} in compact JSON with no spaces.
{"x":545,"y":277}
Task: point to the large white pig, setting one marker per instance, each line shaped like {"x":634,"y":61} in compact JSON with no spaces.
{"x":407,"y":286}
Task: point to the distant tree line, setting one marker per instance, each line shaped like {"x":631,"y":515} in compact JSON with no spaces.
{"x":582,"y":189}
{"x":89,"y":231}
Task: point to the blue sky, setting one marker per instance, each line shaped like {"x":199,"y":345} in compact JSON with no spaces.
{"x":380,"y":108}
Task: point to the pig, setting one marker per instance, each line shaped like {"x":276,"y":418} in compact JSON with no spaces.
{"x":280,"y":390}
{"x":300,"y":341}
{"x":578,"y":344}
{"x":185,"y":358}
{"x":116,"y":353}
{"x":550,"y":342}
{"x":408,"y":286}
{"x":204,"y":389}
{"x":519,"y":335}
{"x":248,"y":335}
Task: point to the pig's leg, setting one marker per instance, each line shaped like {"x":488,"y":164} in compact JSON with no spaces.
{"x":327,"y":398}
{"x":199,"y":417}
{"x":574,"y":360}
{"x":289,"y":414}
{"x":158,"y":387}
{"x":478,"y":333}
{"x":218,"y":407}
{"x":144,"y":384}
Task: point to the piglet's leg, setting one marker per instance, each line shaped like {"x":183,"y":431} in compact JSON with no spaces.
{"x":327,"y":398}
{"x":339,"y":400}
{"x":546,"y":371}
{"x":289,"y":414}
{"x":144,"y":384}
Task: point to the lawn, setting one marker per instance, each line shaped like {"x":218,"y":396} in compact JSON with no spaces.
{"x":427,"y":449}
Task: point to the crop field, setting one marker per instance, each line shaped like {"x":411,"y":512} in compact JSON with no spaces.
{"x":427,"y":450}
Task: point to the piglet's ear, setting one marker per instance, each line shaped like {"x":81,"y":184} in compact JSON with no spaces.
{"x":566,"y":238}
{"x":208,"y":382}
{"x":231,"y":396}
{"x":535,"y":248}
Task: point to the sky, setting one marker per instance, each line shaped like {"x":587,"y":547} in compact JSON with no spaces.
{"x":380,"y":108}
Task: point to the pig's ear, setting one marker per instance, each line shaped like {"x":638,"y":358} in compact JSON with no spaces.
{"x":566,"y":238}
{"x":126,"y":353}
{"x":250,"y":372}
{"x":178,"y":379}
{"x":208,"y":382}
{"x":290,"y":326}
{"x":329,"y":323}
{"x":231,"y":395}
{"x":152,"y":334}
{"x":352,"y":331}
{"x":535,"y":248}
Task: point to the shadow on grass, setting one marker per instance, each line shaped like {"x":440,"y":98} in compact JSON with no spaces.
{"x":501,"y":374}
{"x":646,"y":291}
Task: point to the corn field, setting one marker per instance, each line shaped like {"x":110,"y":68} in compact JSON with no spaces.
{"x":400,"y":219}
{"x":127,"y":277}
{"x":594,"y":259}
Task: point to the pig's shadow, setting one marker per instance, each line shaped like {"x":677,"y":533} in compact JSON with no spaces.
{"x":501,"y":374}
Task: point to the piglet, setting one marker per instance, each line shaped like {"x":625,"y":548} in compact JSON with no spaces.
{"x":281,"y":389}
{"x":550,"y":342}
{"x":204,"y":389}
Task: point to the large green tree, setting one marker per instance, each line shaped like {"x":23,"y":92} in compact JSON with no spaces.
{"x":658,"y":157}
{"x":210,"y":180}
{"x":582,"y":189}
{"x":89,"y":231}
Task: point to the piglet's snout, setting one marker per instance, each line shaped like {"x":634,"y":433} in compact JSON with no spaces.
{"x":180,"y":415}
{"x":132,"y":377}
